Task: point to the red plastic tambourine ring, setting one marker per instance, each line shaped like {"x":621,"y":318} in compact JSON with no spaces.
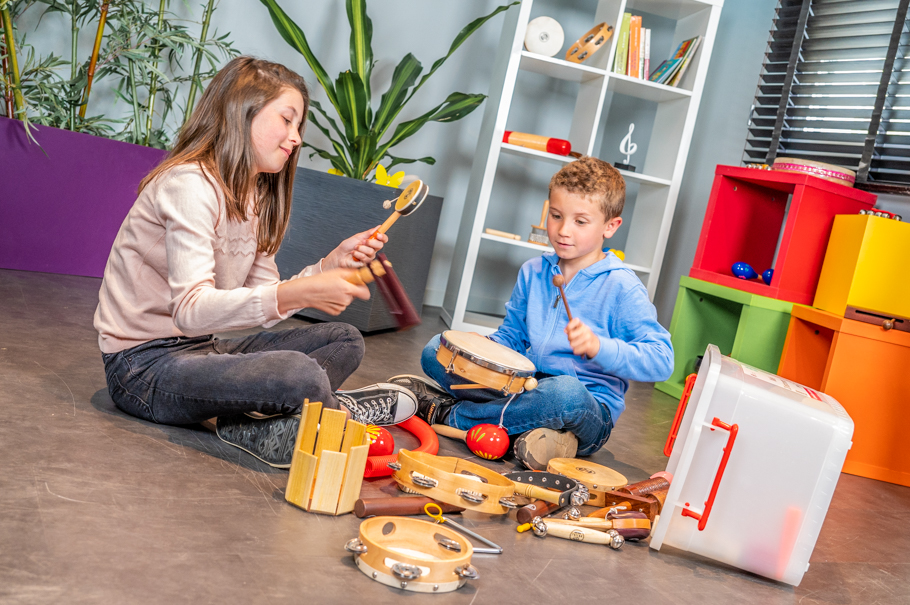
{"x":378,"y":466}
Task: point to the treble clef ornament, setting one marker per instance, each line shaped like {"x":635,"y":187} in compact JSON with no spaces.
{"x":627,"y":148}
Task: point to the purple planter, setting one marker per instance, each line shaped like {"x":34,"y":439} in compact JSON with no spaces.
{"x":60,"y":208}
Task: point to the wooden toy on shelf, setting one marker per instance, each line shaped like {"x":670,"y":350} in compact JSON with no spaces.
{"x":329,"y":459}
{"x":539,"y":231}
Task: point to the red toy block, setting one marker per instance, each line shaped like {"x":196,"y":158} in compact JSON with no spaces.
{"x":743,"y":223}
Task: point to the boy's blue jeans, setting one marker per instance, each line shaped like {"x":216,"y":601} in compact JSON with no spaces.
{"x":184,"y":380}
{"x":558,"y":402}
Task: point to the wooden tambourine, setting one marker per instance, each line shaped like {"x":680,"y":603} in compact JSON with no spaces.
{"x":486,"y":363}
{"x":409,"y":200}
{"x":412,"y":555}
{"x":454,"y":481}
{"x":598,"y":479}
{"x":829,"y":172}
{"x":590,"y":43}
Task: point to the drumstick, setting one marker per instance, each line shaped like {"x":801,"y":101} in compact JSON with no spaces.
{"x":559,"y":281}
{"x":538,"y":508}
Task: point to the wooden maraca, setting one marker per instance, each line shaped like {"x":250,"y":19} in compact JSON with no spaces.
{"x":485,"y":440}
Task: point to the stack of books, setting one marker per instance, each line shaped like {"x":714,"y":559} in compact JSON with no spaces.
{"x":633,"y":52}
{"x":671,"y":71}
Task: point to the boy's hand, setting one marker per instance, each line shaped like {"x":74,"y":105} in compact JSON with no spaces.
{"x":582,"y":340}
{"x":356,"y":251}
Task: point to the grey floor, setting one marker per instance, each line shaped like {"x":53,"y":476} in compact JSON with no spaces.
{"x":99,"y":507}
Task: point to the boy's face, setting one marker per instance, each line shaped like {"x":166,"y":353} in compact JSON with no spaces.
{"x":577,"y":227}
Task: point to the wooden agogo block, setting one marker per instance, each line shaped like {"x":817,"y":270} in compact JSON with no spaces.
{"x":353,"y":478}
{"x":329,"y":477}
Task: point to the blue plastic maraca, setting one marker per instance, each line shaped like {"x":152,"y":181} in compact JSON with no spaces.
{"x":767,"y":275}
{"x":743,"y":271}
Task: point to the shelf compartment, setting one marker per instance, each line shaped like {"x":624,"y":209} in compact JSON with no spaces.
{"x":558,"y":68}
{"x":542,"y":249}
{"x":645,"y":89}
{"x":562,"y":159}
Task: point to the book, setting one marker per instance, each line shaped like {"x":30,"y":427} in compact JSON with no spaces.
{"x":665,"y":70}
{"x":646,"y":62}
{"x":622,"y":48}
{"x":634,"y":45}
{"x":675,"y":61}
{"x":690,"y":53}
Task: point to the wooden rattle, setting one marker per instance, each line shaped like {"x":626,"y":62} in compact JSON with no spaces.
{"x":396,"y":299}
{"x":409,"y":200}
{"x":485,"y":440}
{"x":611,"y":537}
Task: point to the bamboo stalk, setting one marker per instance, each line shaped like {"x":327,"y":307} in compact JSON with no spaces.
{"x":102,"y":20}
{"x":134,"y":93}
{"x":18,"y":99}
{"x":194,"y":81}
{"x":74,"y":46}
{"x":7,"y":88}
{"x":153,"y":89}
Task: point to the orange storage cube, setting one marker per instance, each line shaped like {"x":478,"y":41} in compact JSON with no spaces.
{"x":866,"y":369}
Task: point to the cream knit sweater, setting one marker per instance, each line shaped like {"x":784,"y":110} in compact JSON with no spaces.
{"x":180,"y":268}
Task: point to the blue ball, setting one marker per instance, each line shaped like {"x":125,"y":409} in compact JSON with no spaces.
{"x":767,"y":275}
{"x":744,"y":271}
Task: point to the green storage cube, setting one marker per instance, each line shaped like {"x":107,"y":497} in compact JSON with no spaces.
{"x":745,"y":326}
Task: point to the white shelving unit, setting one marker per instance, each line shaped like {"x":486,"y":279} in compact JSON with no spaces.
{"x":658,"y":178}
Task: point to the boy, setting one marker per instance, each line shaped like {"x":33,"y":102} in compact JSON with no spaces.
{"x":584,"y":365}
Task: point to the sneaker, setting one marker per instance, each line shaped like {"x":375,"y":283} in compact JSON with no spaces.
{"x":381,"y":404}
{"x":433,"y":403}
{"x":271,"y":439}
{"x":536,"y":448}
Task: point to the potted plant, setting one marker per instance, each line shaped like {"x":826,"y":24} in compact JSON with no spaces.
{"x":71,"y":172}
{"x":362,"y":138}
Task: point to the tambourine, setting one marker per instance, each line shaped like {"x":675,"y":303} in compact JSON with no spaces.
{"x":590,"y":43}
{"x":454,"y":481}
{"x":598,"y":479}
{"x":412,"y":555}
{"x":829,"y":172}
{"x":488,"y":364}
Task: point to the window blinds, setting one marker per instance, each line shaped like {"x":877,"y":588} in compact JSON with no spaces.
{"x":835,"y":88}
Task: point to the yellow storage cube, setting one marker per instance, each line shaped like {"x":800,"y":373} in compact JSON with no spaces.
{"x":864,"y":273}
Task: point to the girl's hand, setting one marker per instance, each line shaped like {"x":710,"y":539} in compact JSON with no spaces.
{"x":356,"y":251}
{"x":583,"y":341}
{"x":329,"y":292}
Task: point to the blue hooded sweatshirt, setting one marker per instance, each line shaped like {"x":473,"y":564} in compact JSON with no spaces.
{"x":608,"y":298}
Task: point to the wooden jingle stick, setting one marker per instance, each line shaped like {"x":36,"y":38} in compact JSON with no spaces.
{"x":602,"y":524}
{"x":398,"y":507}
{"x":579,"y":534}
{"x":409,"y":200}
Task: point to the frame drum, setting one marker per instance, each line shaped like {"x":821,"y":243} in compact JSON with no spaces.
{"x":485,"y":362}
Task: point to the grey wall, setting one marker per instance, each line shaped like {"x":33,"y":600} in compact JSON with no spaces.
{"x":426,"y":28}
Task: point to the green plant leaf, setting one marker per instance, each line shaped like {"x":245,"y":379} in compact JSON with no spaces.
{"x":396,"y":161}
{"x":364,"y":152}
{"x":463,"y":35}
{"x":337,"y":163}
{"x":339,"y":148}
{"x":403,"y":78}
{"x":352,"y":99}
{"x":361,"y":46}
{"x":456,"y":106}
{"x":318,"y":107}
{"x":294,"y":36}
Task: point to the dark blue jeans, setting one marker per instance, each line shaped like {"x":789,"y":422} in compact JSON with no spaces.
{"x":185,"y":380}
{"x":558,"y":402}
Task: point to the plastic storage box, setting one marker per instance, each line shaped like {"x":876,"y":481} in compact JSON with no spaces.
{"x":754,"y":468}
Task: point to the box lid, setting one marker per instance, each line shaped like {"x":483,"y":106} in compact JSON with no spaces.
{"x":850,"y":326}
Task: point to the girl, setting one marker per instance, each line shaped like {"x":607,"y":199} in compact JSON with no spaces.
{"x":195,"y":255}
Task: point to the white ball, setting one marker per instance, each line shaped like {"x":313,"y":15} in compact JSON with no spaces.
{"x":544,"y":36}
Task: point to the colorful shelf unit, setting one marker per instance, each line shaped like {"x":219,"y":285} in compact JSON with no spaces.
{"x":864,"y":367}
{"x":865,"y":269}
{"x":745,"y":326}
{"x":771,"y":219}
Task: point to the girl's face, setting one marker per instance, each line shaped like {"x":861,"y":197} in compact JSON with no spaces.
{"x":275,"y":131}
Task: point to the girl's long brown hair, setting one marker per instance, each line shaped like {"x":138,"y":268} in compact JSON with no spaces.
{"x":218,"y":138}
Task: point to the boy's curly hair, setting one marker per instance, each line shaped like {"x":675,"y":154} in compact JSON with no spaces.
{"x":596,"y":180}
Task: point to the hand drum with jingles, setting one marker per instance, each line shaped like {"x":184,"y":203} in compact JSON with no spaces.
{"x":486,"y":363}
{"x":598,"y":479}
{"x":409,"y":201}
{"x":412,"y":555}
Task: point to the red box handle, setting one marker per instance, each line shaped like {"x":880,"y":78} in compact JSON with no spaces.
{"x":703,"y":517}
{"x":680,"y":410}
